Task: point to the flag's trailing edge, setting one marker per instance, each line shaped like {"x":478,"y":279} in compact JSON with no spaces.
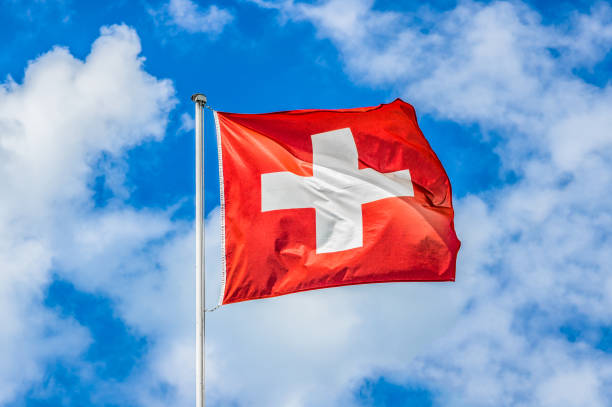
{"x":321,"y":198}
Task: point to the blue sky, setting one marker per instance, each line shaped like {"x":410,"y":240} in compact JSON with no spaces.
{"x":96,"y":169}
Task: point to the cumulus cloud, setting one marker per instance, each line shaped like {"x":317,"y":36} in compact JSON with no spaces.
{"x":188,"y":16}
{"x":56,"y":126}
{"x":187,"y":122}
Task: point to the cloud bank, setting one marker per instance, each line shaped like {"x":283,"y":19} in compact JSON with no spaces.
{"x":58,"y":129}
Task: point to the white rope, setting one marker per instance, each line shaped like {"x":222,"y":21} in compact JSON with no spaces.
{"x":222,"y":207}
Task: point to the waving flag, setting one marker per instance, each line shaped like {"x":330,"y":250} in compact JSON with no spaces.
{"x":322,"y":198}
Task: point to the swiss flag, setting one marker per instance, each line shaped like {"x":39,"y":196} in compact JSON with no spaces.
{"x":323,"y":198}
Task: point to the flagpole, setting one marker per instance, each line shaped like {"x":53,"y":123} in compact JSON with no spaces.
{"x":200,"y":101}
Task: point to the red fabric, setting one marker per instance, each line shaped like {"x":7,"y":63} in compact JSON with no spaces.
{"x":273,"y":253}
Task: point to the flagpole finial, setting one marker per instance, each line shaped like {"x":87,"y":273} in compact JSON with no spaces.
{"x":199,"y":98}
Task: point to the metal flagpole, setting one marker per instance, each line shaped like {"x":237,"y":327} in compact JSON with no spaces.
{"x":200,"y":101}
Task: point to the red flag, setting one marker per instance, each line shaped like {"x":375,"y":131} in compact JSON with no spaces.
{"x":322,"y":198}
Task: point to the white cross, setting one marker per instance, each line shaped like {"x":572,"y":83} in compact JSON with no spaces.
{"x":336,"y":190}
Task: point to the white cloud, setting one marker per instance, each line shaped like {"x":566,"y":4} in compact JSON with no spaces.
{"x":188,"y":16}
{"x":55,"y":127}
{"x":187,"y":122}
{"x":571,"y":388}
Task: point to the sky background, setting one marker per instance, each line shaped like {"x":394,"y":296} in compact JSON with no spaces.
{"x":96,"y":209}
